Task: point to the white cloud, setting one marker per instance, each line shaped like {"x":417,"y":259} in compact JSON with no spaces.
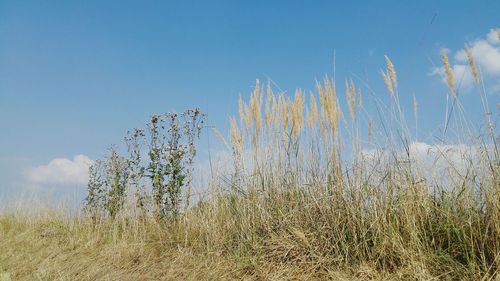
{"x":435,"y":157}
{"x":62,"y":171}
{"x":444,"y":165}
{"x":486,"y":53}
{"x":486,"y":56}
{"x":494,"y":36}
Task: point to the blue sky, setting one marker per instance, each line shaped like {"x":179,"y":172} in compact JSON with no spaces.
{"x":76,"y":75}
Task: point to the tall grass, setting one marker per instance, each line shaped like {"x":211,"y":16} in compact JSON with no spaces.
{"x":313,"y":192}
{"x":299,"y":198}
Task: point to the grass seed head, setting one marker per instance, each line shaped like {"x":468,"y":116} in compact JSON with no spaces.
{"x":236,"y":136}
{"x":388,"y":83}
{"x":220,"y":137}
{"x":297,"y":109}
{"x":391,"y":71}
{"x":472,"y":63}
{"x":450,"y":79}
{"x":330,"y":106}
{"x":313,"y":111}
{"x":255,"y":109}
{"x":267,"y":109}
{"x":350,"y":92}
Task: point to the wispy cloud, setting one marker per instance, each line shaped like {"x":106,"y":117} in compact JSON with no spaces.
{"x":62,"y":171}
{"x":438,"y":164}
{"x":486,"y":53}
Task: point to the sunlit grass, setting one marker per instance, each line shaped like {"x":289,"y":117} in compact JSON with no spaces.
{"x":309,"y":195}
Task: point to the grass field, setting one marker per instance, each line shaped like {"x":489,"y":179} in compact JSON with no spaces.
{"x":313,"y":192}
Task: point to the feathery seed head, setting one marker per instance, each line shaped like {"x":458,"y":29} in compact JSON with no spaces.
{"x":275,"y":111}
{"x":331,"y":106}
{"x":248,"y":117}
{"x":219,"y":136}
{"x":391,"y":71}
{"x":236,"y":137}
{"x":297,"y":112}
{"x":472,"y":63}
{"x":255,"y":108}
{"x":241,"y":110}
{"x":284,"y":111}
{"x":388,"y":83}
{"x":448,"y":71}
{"x":350,"y":93}
{"x":269,"y":99}
{"x":313,"y":110}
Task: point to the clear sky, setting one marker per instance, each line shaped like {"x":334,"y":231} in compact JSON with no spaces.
{"x":76,"y":75}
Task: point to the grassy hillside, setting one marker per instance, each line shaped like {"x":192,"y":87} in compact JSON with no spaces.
{"x":312,"y":192}
{"x":58,"y":249}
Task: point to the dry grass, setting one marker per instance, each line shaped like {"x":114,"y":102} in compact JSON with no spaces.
{"x":70,"y":250}
{"x":282,"y":236}
{"x":59,"y":249}
{"x":293,"y":207}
